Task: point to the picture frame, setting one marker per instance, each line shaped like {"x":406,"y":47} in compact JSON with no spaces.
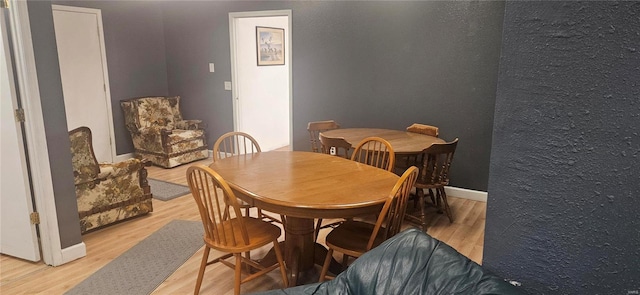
{"x":270,"y":46}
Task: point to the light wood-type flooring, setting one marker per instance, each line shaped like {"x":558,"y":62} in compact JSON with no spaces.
{"x":466,"y":235}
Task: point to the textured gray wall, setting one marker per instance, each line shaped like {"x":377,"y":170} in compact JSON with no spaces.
{"x":364,"y":64}
{"x":563,"y":207}
{"x":55,"y":121}
{"x":135,"y":49}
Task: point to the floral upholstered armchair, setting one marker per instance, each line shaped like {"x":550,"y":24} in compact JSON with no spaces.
{"x":160,"y":134}
{"x":106,"y":193}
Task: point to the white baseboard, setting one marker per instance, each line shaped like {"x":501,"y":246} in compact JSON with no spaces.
{"x":74,"y":252}
{"x":466,"y":193}
{"x":462,"y":193}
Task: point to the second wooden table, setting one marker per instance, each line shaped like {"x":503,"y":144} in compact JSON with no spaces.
{"x":403,"y":142}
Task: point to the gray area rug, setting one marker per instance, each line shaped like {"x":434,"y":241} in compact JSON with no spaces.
{"x":165,"y":191}
{"x":146,"y":265}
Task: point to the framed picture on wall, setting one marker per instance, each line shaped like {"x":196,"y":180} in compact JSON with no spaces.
{"x":270,"y":46}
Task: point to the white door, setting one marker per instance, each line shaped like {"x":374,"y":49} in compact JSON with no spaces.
{"x":262,"y":93}
{"x":83,"y":70}
{"x":18,"y":236}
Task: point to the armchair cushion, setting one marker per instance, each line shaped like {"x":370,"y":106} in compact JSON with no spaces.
{"x":157,"y":112}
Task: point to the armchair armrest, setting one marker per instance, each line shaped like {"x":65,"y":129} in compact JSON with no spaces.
{"x":112,"y":170}
{"x":189,"y":124}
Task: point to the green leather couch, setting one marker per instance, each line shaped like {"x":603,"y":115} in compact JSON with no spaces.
{"x":411,"y":262}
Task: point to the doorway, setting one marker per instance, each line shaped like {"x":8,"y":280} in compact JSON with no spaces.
{"x":83,"y":69}
{"x":262,"y":95}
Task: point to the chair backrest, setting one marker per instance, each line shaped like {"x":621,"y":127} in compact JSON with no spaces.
{"x":392,"y":213}
{"x":342,"y":147}
{"x":233,"y":144}
{"x":218,"y":207}
{"x":315,"y":128}
{"x":436,"y":164}
{"x":375,"y":151}
{"x":151,"y":111}
{"x":423,"y":129}
{"x":84,"y":162}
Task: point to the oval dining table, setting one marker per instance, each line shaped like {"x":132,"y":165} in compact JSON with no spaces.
{"x":303,"y":186}
{"x":403,"y":142}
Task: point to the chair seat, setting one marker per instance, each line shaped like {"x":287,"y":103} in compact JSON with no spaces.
{"x":260,"y":233}
{"x":351,"y":237}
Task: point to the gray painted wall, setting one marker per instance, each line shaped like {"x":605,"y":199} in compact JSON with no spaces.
{"x":563,"y":206}
{"x":135,"y":48}
{"x":364,"y":64}
{"x":55,"y":121}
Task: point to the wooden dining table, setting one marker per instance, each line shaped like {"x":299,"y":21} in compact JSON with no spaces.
{"x":403,"y":142}
{"x":303,"y":186}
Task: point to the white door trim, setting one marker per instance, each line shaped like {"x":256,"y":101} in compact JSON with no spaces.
{"x":52,"y":252}
{"x":105,"y":72}
{"x":289,"y":46}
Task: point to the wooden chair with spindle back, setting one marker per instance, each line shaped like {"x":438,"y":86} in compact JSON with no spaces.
{"x":233,"y":144}
{"x":238,"y":143}
{"x":434,"y":175}
{"x":404,"y":161}
{"x":227,"y":230}
{"x":375,"y":151}
{"x":354,"y":238}
{"x":315,"y":128}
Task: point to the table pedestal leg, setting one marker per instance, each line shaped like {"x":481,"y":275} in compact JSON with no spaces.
{"x":299,"y":235}
{"x":301,"y":252}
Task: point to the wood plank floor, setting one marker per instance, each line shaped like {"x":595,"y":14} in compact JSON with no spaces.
{"x":466,"y":235}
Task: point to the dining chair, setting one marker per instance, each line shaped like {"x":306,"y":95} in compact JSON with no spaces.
{"x":423,"y":129}
{"x":227,"y":230}
{"x":404,"y":161}
{"x":233,"y":144}
{"x":354,"y":238}
{"x":337,"y":146}
{"x":315,"y":128}
{"x":238,"y":143}
{"x":434,"y":175}
{"x":375,"y":151}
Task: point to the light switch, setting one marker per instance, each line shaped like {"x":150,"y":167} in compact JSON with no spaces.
{"x":211,"y":68}
{"x":227,"y":85}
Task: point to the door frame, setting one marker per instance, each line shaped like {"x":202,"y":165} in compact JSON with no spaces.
{"x":105,"y":71}
{"x":234,"y":74}
{"x":52,"y":252}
